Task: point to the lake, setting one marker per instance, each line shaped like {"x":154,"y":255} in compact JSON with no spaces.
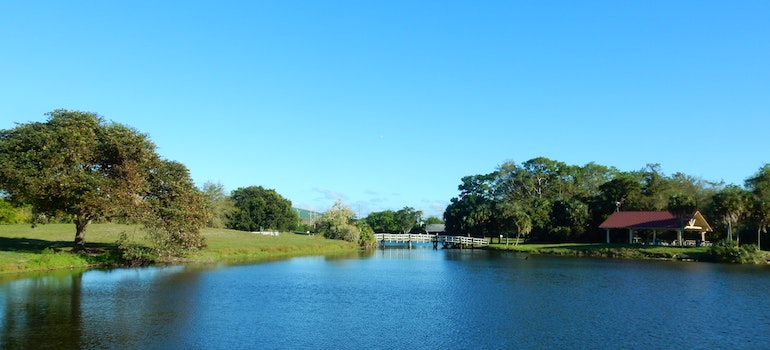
{"x":395,"y":299}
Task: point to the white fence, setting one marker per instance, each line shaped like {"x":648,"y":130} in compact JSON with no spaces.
{"x":404,"y":238}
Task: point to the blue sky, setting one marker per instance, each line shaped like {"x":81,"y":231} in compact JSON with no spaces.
{"x":387,"y":104}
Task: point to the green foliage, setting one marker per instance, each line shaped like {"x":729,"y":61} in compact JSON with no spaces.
{"x":366,"y":239}
{"x":432,"y":220}
{"x":472,"y":212}
{"x":76,"y":164}
{"x":759,"y":186}
{"x":403,"y":220}
{"x":382,"y":221}
{"x":681,"y":205}
{"x":11,"y":215}
{"x":407,"y":218}
{"x":565,"y":202}
{"x":571,"y":214}
{"x":133,"y":254}
{"x":730,"y":205}
{"x":257,"y":208}
{"x":338,"y":223}
{"x":731,"y":252}
{"x":174,"y":210}
{"x":218,"y":204}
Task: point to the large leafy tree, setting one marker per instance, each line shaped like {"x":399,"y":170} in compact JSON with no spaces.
{"x":76,"y":164}
{"x":257,"y":208}
{"x":656,"y":188}
{"x":681,"y":205}
{"x":472,"y":211}
{"x":382,"y":221}
{"x":407,"y":218}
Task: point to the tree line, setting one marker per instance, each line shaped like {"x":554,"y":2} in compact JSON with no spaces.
{"x":256,"y":208}
{"x":550,"y":201}
{"x":76,"y":167}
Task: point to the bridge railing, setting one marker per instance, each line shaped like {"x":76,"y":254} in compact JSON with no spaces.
{"x":399,"y":237}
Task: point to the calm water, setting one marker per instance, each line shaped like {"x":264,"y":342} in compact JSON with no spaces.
{"x":396,"y":299}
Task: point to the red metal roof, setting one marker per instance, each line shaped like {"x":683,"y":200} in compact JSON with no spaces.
{"x":654,"y":220}
{"x":641,"y":220}
{"x":650,"y":220}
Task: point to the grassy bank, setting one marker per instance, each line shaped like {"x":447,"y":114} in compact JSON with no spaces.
{"x":621,"y":251}
{"x":49,"y":247}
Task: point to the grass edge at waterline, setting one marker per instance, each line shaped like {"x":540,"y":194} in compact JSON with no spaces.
{"x":49,"y":247}
{"x":743,"y":254}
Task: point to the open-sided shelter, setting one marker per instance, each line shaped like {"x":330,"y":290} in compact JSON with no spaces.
{"x":655,"y":221}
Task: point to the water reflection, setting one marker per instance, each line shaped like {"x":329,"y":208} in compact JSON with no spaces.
{"x":42,"y":308}
{"x":394,"y":298}
{"x":57,"y":310}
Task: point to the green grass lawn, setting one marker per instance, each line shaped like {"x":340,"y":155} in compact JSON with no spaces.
{"x":48,"y":247}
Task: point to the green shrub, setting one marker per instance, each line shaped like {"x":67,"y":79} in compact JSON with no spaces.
{"x":133,"y":254}
{"x":731,"y":252}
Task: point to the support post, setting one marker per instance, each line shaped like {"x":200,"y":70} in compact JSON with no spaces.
{"x":608,"y":236}
{"x":630,"y":236}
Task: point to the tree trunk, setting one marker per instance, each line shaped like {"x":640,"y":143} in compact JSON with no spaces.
{"x":759,"y":237}
{"x":81,"y":221}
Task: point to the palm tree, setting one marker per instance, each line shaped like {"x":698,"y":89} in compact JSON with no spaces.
{"x":523,"y":225}
{"x":759,"y":185}
{"x":731,"y":205}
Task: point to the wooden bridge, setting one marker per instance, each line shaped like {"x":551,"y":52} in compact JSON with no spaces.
{"x":445,"y":241}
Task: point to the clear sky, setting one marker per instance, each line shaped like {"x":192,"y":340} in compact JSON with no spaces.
{"x":387,"y":104}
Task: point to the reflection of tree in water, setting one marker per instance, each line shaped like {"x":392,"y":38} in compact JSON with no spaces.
{"x":42,"y":313}
{"x":123,"y":308}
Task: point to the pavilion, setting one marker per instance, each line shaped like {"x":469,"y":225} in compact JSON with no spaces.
{"x":656,"y":221}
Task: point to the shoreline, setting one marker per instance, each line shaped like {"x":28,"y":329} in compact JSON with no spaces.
{"x":624,"y":251}
{"x":48,"y":248}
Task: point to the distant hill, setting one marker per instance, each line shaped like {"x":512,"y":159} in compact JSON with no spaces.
{"x":305,"y":214}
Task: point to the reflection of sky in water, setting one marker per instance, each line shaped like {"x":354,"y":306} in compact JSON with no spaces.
{"x":395,"y":298}
{"x":136,"y":274}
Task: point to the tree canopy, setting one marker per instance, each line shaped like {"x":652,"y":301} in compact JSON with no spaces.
{"x":257,"y":208}
{"x":338,"y":223}
{"x":553,"y":201}
{"x":407,"y":218}
{"x":382,"y":221}
{"x":80,"y":165}
{"x":174,"y":210}
{"x":218,"y":203}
